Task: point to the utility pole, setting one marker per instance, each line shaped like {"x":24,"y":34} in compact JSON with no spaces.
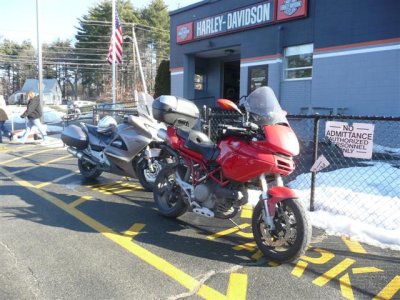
{"x":39,"y":49}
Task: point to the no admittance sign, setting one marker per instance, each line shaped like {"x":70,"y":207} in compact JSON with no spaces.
{"x":354,"y":140}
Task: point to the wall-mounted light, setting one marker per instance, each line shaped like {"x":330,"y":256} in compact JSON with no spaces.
{"x":229,"y":51}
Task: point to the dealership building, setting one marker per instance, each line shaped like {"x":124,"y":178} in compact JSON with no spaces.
{"x":317,"y":55}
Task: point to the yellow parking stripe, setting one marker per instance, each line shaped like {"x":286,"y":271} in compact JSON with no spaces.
{"x":237,"y":288}
{"x":43,"y":184}
{"x":227,"y":231}
{"x":299,"y":269}
{"x":247,"y":212}
{"x":24,"y":156}
{"x":365,"y":270}
{"x":157,"y":262}
{"x":332,"y":273}
{"x":80,"y":201}
{"x":248,"y":246}
{"x":389,"y":290}
{"x":42,"y":164}
{"x":345,"y":287}
{"x":134,"y":230}
{"x":353,"y":246}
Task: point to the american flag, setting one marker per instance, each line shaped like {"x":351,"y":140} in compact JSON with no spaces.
{"x":118,"y":43}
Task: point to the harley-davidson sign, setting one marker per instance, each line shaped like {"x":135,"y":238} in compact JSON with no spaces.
{"x":258,"y":14}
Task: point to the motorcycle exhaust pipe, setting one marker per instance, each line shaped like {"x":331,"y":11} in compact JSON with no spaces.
{"x":80,"y":155}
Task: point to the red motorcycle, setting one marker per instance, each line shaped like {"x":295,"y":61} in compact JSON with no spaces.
{"x":212,"y":179}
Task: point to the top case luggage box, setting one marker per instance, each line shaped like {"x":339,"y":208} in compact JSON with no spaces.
{"x":175,"y":111}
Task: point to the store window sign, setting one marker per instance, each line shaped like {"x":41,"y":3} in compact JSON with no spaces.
{"x":259,"y":14}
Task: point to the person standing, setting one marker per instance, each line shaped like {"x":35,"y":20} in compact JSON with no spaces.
{"x":3,"y":119}
{"x":33,"y":112}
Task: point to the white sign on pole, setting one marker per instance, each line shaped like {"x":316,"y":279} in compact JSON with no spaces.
{"x":354,"y":140}
{"x":320,"y":163}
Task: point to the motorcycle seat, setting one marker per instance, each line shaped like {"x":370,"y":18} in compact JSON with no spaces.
{"x":201,"y":143}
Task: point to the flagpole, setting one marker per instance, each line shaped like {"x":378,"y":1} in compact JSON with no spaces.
{"x":113,"y":55}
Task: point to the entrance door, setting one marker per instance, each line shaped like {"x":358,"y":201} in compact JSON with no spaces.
{"x":231,"y":80}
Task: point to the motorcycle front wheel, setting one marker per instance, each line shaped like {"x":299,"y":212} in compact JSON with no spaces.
{"x":146,"y":176}
{"x":292,"y":233}
{"x":168,"y":194}
{"x":88,"y":170}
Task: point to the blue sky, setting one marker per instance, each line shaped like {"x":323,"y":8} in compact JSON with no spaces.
{"x":58,"y":17}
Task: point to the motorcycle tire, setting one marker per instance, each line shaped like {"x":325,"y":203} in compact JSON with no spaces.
{"x":168,"y":194}
{"x":145,"y":176}
{"x":88,"y":170}
{"x":282,"y":245}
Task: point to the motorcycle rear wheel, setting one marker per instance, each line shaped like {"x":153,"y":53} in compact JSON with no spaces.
{"x":291,"y":236}
{"x":168,"y":195}
{"x":88,"y":170}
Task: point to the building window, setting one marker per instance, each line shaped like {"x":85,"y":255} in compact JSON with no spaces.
{"x":298,"y":62}
{"x":199,"y":82}
{"x":258,"y":76}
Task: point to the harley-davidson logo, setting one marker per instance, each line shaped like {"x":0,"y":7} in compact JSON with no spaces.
{"x":289,"y":7}
{"x":183,"y":32}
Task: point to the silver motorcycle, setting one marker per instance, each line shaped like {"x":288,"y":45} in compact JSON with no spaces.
{"x":130,"y":149}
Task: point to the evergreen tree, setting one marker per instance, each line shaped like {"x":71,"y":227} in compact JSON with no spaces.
{"x":163,"y":80}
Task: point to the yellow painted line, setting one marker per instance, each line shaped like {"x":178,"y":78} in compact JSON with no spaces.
{"x":389,"y":290}
{"x":365,"y":270}
{"x":299,"y":269}
{"x":227,"y":231}
{"x":80,"y":201}
{"x":24,"y":156}
{"x":345,"y":287}
{"x":248,"y":246}
{"x":257,"y":255}
{"x":131,"y":185}
{"x":247,"y":235}
{"x":42,"y":164}
{"x":353,"y":246}
{"x":247,"y":212}
{"x":43,"y":184}
{"x":324,"y":257}
{"x":335,"y":271}
{"x":145,"y":255}
{"x":134,"y":230}
{"x":273,"y":263}
{"x":237,"y":288}
{"x":122,"y":191}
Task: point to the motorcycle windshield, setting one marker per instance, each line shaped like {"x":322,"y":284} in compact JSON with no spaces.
{"x":145,"y":102}
{"x":264,"y":108}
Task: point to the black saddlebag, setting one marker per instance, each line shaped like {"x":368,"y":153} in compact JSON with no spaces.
{"x":175,"y":111}
{"x":75,"y":137}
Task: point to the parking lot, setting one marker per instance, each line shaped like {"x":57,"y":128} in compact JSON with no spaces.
{"x":65,"y":238}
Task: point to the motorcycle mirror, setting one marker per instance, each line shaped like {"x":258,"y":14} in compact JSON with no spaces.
{"x":228,"y":105}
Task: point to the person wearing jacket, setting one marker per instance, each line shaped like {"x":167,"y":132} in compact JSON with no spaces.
{"x":3,"y":119}
{"x":33,"y":112}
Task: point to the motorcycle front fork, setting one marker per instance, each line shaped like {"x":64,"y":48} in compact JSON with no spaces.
{"x":268,"y":218}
